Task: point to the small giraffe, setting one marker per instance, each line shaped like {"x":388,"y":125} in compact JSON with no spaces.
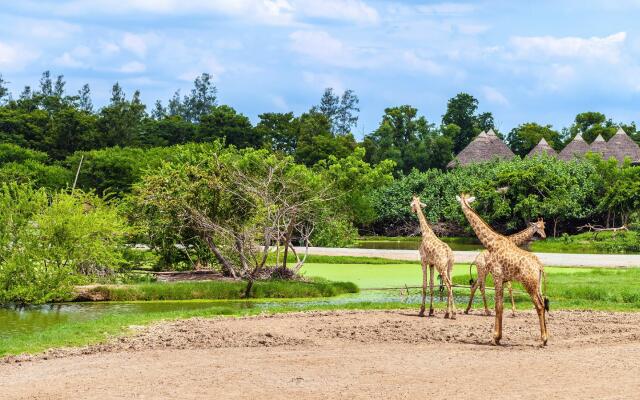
{"x":521,"y":238}
{"x":434,"y":253}
{"x":508,"y":262}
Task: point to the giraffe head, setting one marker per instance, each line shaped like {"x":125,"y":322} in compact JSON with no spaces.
{"x":416,"y":204}
{"x":538,"y":227}
{"x":465,"y":199}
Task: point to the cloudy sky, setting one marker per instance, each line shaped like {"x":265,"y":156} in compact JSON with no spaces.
{"x":540,"y":61}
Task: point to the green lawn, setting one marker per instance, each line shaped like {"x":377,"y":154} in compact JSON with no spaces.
{"x":568,"y":288}
{"x":367,"y":276}
{"x":222,"y":290}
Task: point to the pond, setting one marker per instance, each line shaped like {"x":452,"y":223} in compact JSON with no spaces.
{"x":412,"y":243}
{"x":21,"y":320}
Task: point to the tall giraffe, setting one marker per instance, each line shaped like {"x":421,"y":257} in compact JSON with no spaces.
{"x":519,"y":239}
{"x":508,"y":262}
{"x":434,"y":253}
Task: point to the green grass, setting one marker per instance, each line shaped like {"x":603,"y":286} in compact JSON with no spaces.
{"x":604,"y":242}
{"x":568,"y":288}
{"x":318,"y":259}
{"x":223,"y":290}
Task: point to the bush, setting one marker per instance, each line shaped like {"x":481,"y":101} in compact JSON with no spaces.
{"x":223,"y":290}
{"x":48,"y":243}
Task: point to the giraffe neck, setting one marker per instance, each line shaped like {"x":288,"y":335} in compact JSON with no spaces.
{"x":523,"y":236}
{"x":426,"y":230}
{"x":487,"y":236}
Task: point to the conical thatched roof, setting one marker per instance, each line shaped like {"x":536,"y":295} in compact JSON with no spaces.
{"x":599,"y":145}
{"x":485,"y":147}
{"x":575,"y":148}
{"x":621,"y":146}
{"x":542,"y":148}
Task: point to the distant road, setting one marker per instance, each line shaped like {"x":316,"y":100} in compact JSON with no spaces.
{"x":552,"y":259}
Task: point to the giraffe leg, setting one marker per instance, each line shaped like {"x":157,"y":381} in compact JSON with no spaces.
{"x":513,"y":303}
{"x":424,"y":288}
{"x":450,"y":278}
{"x":484,"y":295}
{"x":473,"y":290}
{"x":451,"y":305}
{"x":497,"y":330}
{"x":538,"y":303}
{"x":431,"y":281}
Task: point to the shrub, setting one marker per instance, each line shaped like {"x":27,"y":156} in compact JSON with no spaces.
{"x":48,"y":243}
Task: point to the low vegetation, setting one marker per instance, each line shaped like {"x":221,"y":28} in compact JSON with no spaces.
{"x":221,"y":290}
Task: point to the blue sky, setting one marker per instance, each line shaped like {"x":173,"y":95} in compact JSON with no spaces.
{"x":541,"y":61}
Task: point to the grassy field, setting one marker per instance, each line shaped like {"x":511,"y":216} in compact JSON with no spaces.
{"x":604,"y":242}
{"x":568,"y":288}
{"x":223,"y":290}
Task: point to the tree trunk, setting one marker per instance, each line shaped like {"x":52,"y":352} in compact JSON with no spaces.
{"x":287,"y":240}
{"x":247,"y":291}
{"x":555,"y":227}
{"x":227,"y":268}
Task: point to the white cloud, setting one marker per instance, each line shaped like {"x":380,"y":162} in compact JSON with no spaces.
{"x":608,"y":48}
{"x":274,"y":12}
{"x":78,"y":57}
{"x":208,"y":64}
{"x":15,"y":56}
{"x":137,"y":44}
{"x":493,"y":95}
{"x":348,"y":10}
{"x":132,"y":67}
{"x":109,"y":48}
{"x":68,"y":60}
{"x":421,"y":64}
{"x":280,"y":103}
{"x":322,"y":47}
{"x":45,"y":28}
{"x":447,"y":9}
{"x":322,"y":81}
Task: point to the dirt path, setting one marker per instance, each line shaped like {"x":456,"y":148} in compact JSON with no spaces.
{"x":552,"y":259}
{"x":379,"y":354}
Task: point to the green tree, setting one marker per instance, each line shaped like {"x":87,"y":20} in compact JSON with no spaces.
{"x":48,"y":243}
{"x":410,"y":141}
{"x":316,"y":142}
{"x":4,"y":91}
{"x":461,"y":111}
{"x":120,"y":122}
{"x":224,"y":123}
{"x":201,"y":100}
{"x":279,"y":130}
{"x":526,"y":136}
{"x":591,"y":124}
{"x":342,"y":111}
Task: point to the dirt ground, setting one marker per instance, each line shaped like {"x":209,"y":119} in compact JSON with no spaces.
{"x":345,"y":354}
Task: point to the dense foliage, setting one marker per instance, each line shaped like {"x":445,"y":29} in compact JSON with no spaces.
{"x":204,"y":186}
{"x":566,"y":194}
{"x":50,"y":241}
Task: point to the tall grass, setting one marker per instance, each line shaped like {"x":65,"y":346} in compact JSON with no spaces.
{"x":223,"y":290}
{"x":617,"y":288}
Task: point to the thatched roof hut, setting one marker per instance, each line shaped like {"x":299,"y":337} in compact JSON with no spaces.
{"x":485,"y":147}
{"x":575,"y":148}
{"x":621,"y":146}
{"x":599,"y":145}
{"x":542,"y":148}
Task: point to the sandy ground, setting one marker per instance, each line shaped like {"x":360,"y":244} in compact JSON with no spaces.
{"x":553,"y":259}
{"x":345,"y":354}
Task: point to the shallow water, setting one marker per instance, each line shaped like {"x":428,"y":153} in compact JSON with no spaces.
{"x":414,"y":243}
{"x":21,"y":320}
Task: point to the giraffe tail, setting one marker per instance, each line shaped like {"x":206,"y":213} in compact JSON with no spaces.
{"x":543,"y":280}
{"x":471,"y":280}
